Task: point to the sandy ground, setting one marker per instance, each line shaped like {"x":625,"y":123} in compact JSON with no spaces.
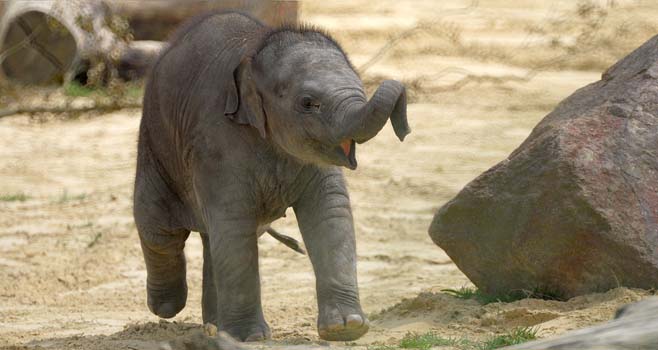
{"x":71,"y":271}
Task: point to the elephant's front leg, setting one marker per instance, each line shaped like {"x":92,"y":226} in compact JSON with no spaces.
{"x":234,"y":256}
{"x":230,"y":224}
{"x":325,"y":220}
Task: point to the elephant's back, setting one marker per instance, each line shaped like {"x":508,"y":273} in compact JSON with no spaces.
{"x":188,"y":81}
{"x":203,"y":39}
{"x":192,"y":74}
{"x":205,"y":48}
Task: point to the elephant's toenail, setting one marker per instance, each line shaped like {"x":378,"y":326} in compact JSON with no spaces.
{"x":353,"y":321}
{"x":255,"y":337}
{"x":166,"y":310}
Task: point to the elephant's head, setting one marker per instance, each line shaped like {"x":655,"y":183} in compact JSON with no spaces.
{"x":299,"y":89}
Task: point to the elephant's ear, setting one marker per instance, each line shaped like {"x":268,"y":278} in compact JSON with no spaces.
{"x":243,"y":102}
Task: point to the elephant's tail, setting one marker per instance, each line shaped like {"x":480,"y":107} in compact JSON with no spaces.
{"x":287,"y":240}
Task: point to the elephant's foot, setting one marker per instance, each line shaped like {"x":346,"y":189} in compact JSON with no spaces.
{"x":166,"y":302}
{"x":249,"y":332}
{"x":337,"y":323}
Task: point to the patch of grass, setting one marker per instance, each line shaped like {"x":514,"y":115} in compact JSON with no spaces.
{"x":545,"y":293}
{"x":515,"y":336}
{"x":430,"y":339}
{"x":462,"y":293}
{"x":426,"y":341}
{"x":75,"y":89}
{"x":118,"y":91}
{"x":482,"y":298}
{"x":14,"y":197}
{"x":95,"y":240}
{"x":134,"y":90}
{"x":381,"y":347}
{"x":66,"y":197}
{"x":88,"y":224}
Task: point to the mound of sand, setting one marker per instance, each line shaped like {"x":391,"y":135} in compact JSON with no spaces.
{"x":467,"y":318}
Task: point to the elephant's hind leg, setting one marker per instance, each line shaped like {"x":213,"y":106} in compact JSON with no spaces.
{"x":162,"y":242}
{"x":166,"y":283}
{"x":158,"y":213}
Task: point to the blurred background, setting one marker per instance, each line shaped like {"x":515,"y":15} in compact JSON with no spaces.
{"x":480,"y":75}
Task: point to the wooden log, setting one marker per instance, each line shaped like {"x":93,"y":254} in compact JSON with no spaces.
{"x":42,"y":41}
{"x":155,"y":20}
{"x":50,"y":41}
{"x":137,"y":58}
{"x":635,"y":327}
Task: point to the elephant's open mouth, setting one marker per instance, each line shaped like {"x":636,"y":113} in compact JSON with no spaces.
{"x":347,"y":152}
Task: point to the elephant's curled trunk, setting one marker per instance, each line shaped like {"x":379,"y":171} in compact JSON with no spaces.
{"x":390,"y":100}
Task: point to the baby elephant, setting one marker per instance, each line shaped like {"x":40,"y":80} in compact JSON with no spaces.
{"x":240,"y":122}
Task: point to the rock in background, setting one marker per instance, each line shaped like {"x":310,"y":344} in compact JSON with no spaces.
{"x":574,"y":209}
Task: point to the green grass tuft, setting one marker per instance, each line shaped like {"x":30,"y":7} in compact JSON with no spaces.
{"x":14,"y":197}
{"x":462,"y":293}
{"x":428,"y":340}
{"x":95,"y":240}
{"x":75,"y":89}
{"x":66,"y":197}
{"x":134,"y":91}
{"x":482,"y":298}
{"x":130,"y":90}
{"x":515,"y":336}
{"x":381,"y":347}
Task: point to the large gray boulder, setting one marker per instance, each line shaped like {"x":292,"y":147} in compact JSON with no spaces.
{"x":574,"y":209}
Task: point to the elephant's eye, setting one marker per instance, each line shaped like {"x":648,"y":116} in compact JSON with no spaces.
{"x":309,"y":104}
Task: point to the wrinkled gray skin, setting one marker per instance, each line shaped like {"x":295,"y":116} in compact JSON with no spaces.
{"x":241,"y":122}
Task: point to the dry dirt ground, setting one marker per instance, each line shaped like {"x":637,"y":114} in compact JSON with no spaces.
{"x":481,"y":74}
